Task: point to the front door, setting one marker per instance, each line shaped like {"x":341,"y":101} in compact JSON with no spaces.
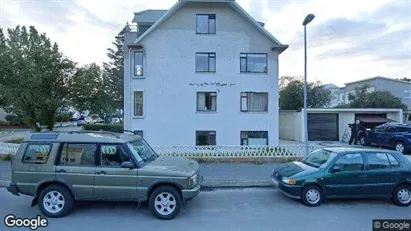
{"x":383,"y":172}
{"x":348,"y":181}
{"x":76,"y":167}
{"x":112,"y":182}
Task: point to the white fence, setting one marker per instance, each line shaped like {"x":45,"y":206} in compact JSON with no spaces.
{"x":284,"y":150}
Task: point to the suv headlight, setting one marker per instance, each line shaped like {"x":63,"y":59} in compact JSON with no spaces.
{"x":193,"y":180}
{"x":288,"y":180}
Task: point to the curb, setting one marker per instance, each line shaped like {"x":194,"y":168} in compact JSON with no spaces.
{"x":4,"y":183}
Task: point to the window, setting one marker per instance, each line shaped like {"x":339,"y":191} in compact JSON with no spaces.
{"x":139,"y":133}
{"x":78,"y":154}
{"x":370,"y":89}
{"x":393,"y":162}
{"x":254,"y":101}
{"x":390,"y":129}
{"x":138,"y":103}
{"x":36,"y":154}
{"x":350,"y":162}
{"x":380,"y":129}
{"x":377,"y":161}
{"x":207,"y":101}
{"x":113,"y":156}
{"x":253,"y":63}
{"x":205,"y":62}
{"x":254,"y":138}
{"x":318,"y":158}
{"x":205,"y":138}
{"x":407,"y":94}
{"x":403,"y":130}
{"x":138,"y":63}
{"x":206,"y":24}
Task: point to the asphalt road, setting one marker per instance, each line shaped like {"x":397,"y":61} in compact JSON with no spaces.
{"x":240,"y":209}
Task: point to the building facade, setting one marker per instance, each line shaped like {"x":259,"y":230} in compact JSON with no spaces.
{"x":201,"y":73}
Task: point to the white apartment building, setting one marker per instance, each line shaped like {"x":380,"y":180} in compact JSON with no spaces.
{"x":201,"y":73}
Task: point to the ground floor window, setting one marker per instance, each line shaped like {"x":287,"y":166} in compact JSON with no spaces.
{"x":254,"y":138}
{"x":205,"y":138}
{"x":139,"y":133}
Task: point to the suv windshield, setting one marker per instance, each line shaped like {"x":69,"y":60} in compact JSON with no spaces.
{"x":318,"y":158}
{"x":142,"y":151}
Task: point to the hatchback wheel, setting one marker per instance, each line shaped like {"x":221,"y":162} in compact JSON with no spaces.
{"x":55,"y":201}
{"x":165,"y":202}
{"x":312,"y":196}
{"x":400,"y":147}
{"x":402,"y":195}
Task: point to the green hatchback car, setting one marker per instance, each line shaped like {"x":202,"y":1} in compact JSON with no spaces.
{"x":346,"y":173}
{"x":58,"y":169}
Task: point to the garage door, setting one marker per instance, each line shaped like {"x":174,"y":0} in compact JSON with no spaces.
{"x":323,"y":127}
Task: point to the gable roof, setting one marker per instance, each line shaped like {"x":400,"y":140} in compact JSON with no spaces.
{"x":147,"y":16}
{"x":277,"y":45}
{"x":377,"y":77}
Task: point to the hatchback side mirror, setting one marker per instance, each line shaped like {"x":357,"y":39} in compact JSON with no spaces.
{"x":336,"y":168}
{"x":127,"y":164}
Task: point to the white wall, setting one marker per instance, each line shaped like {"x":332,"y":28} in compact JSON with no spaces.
{"x":171,"y":83}
{"x":287,"y":124}
{"x":395,"y":116}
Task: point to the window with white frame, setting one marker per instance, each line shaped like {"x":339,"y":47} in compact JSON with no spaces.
{"x":254,"y":137}
{"x":407,"y":94}
{"x":138,"y":103}
{"x":206,"y":101}
{"x":205,"y":24}
{"x":253,"y":63}
{"x":138,"y":63}
{"x":205,"y":61}
{"x":254,"y":101}
{"x":205,"y":138}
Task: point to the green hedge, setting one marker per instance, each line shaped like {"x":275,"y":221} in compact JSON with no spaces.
{"x":104,"y":127}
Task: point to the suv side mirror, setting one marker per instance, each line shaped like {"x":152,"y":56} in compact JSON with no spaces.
{"x":336,"y":168}
{"x":127,"y":164}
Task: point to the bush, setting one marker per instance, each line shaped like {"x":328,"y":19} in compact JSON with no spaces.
{"x":14,"y":120}
{"x":7,"y":157}
{"x":64,"y":117}
{"x":118,"y":128}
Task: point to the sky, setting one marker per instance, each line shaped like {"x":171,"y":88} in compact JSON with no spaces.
{"x":348,"y":40}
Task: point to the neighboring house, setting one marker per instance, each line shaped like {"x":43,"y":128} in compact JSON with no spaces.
{"x":399,"y":88}
{"x":202,"y":73}
{"x":334,"y":94}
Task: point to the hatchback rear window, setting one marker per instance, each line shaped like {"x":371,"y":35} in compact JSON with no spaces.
{"x":36,"y":153}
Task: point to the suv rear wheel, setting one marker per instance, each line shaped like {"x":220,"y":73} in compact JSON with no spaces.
{"x":165,"y":202}
{"x":55,"y":201}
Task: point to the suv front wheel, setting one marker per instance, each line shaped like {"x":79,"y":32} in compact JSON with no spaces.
{"x":165,"y":202}
{"x":55,"y":201}
{"x":400,"y":147}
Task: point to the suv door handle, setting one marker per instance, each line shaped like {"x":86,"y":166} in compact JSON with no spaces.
{"x":61,"y":170}
{"x":101,"y":172}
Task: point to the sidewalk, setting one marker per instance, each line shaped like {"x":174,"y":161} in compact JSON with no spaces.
{"x":215,"y":175}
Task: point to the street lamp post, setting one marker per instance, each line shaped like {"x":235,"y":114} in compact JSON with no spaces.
{"x":307,"y":20}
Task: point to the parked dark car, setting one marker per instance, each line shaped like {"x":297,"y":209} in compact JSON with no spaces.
{"x":390,"y":135}
{"x":346,"y":173}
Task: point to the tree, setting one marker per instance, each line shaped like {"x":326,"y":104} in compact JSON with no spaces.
{"x":292,"y":94}
{"x":405,"y":79}
{"x":34,"y":76}
{"x":376,"y":99}
{"x":114,"y":72}
{"x":91,"y":90}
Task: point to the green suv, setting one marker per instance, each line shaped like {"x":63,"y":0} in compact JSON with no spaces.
{"x":58,"y":169}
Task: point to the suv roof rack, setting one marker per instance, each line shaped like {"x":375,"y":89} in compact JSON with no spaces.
{"x":96,"y":132}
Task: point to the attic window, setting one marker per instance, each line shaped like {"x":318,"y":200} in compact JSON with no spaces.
{"x":206,"y":24}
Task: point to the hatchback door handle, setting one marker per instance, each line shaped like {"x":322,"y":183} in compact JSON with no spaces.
{"x":363,"y":175}
{"x":101,"y":172}
{"x":61,"y":170}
